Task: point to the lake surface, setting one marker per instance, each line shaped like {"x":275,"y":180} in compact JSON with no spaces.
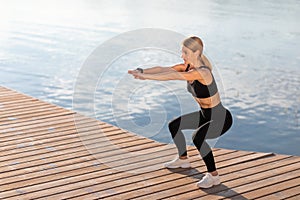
{"x":254,"y":46}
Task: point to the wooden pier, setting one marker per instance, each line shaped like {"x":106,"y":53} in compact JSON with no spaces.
{"x":48,"y":152}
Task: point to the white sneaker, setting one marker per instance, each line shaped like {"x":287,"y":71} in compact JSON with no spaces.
{"x":178,"y":163}
{"x":208,"y":181}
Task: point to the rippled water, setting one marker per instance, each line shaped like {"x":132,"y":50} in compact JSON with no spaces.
{"x":254,"y":46}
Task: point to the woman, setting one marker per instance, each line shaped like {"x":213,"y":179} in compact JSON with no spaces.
{"x":211,"y":121}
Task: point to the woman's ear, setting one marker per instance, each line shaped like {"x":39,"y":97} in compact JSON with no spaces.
{"x":197,"y":53}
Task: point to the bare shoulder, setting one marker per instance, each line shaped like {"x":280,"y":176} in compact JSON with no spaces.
{"x":204,"y":71}
{"x":206,"y":74}
{"x":179,"y":67}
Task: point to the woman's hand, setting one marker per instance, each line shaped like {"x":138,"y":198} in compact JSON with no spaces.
{"x":133,"y":71}
{"x":136,"y":74}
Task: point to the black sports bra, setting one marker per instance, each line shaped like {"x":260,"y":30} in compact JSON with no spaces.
{"x":199,"y":90}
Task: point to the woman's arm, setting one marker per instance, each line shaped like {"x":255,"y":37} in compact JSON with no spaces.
{"x":158,"y":69}
{"x":173,"y":75}
{"x":151,"y":70}
{"x":155,"y":70}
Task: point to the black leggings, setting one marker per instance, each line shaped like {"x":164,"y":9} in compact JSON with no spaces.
{"x":209,"y":123}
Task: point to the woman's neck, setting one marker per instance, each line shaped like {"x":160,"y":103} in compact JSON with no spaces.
{"x":198,"y":63}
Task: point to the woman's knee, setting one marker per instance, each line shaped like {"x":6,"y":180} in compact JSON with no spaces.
{"x":198,"y":139}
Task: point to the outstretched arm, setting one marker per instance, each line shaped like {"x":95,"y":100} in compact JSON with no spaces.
{"x":172,"y":75}
{"x":152,"y":70}
{"x":158,"y":69}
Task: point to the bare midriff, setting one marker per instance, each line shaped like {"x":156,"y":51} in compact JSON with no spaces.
{"x":209,"y":102}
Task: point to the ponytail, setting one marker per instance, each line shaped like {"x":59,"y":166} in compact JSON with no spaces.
{"x":206,"y":61}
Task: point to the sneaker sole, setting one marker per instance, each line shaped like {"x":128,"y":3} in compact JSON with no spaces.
{"x":181,"y":166}
{"x":206,"y":187}
{"x":217,"y":183}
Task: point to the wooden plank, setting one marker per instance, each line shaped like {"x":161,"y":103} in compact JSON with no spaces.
{"x":28,"y":112}
{"x":21,"y":110}
{"x":63,"y":139}
{"x":23,"y":168}
{"x":68,"y":138}
{"x":36,"y":116}
{"x":24,"y":104}
{"x":12,"y":97}
{"x":40,"y":113}
{"x":297,"y":197}
{"x":8,"y":106}
{"x":5,"y":104}
{"x":287,"y":193}
{"x":62,"y":148}
{"x":13,"y":136}
{"x":278,"y":188}
{"x":12,"y":128}
{"x":81,"y":130}
{"x":2,"y":90}
{"x":50,"y":125}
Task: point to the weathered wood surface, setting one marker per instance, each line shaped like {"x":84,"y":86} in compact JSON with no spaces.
{"x":48,"y":152}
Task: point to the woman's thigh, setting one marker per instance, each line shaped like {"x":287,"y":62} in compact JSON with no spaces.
{"x":188,"y":121}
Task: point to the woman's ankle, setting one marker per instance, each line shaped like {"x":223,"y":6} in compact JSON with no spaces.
{"x":214,"y":173}
{"x":183,"y":157}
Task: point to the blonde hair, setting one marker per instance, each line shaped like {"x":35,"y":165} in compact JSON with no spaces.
{"x":195,"y":43}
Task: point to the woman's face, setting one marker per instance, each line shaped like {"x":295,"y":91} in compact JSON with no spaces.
{"x":188,"y":56}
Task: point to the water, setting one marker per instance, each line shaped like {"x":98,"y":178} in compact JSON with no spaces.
{"x":254,"y":46}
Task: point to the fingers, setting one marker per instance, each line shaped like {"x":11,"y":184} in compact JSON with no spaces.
{"x":136,"y":74}
{"x":133,"y":71}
